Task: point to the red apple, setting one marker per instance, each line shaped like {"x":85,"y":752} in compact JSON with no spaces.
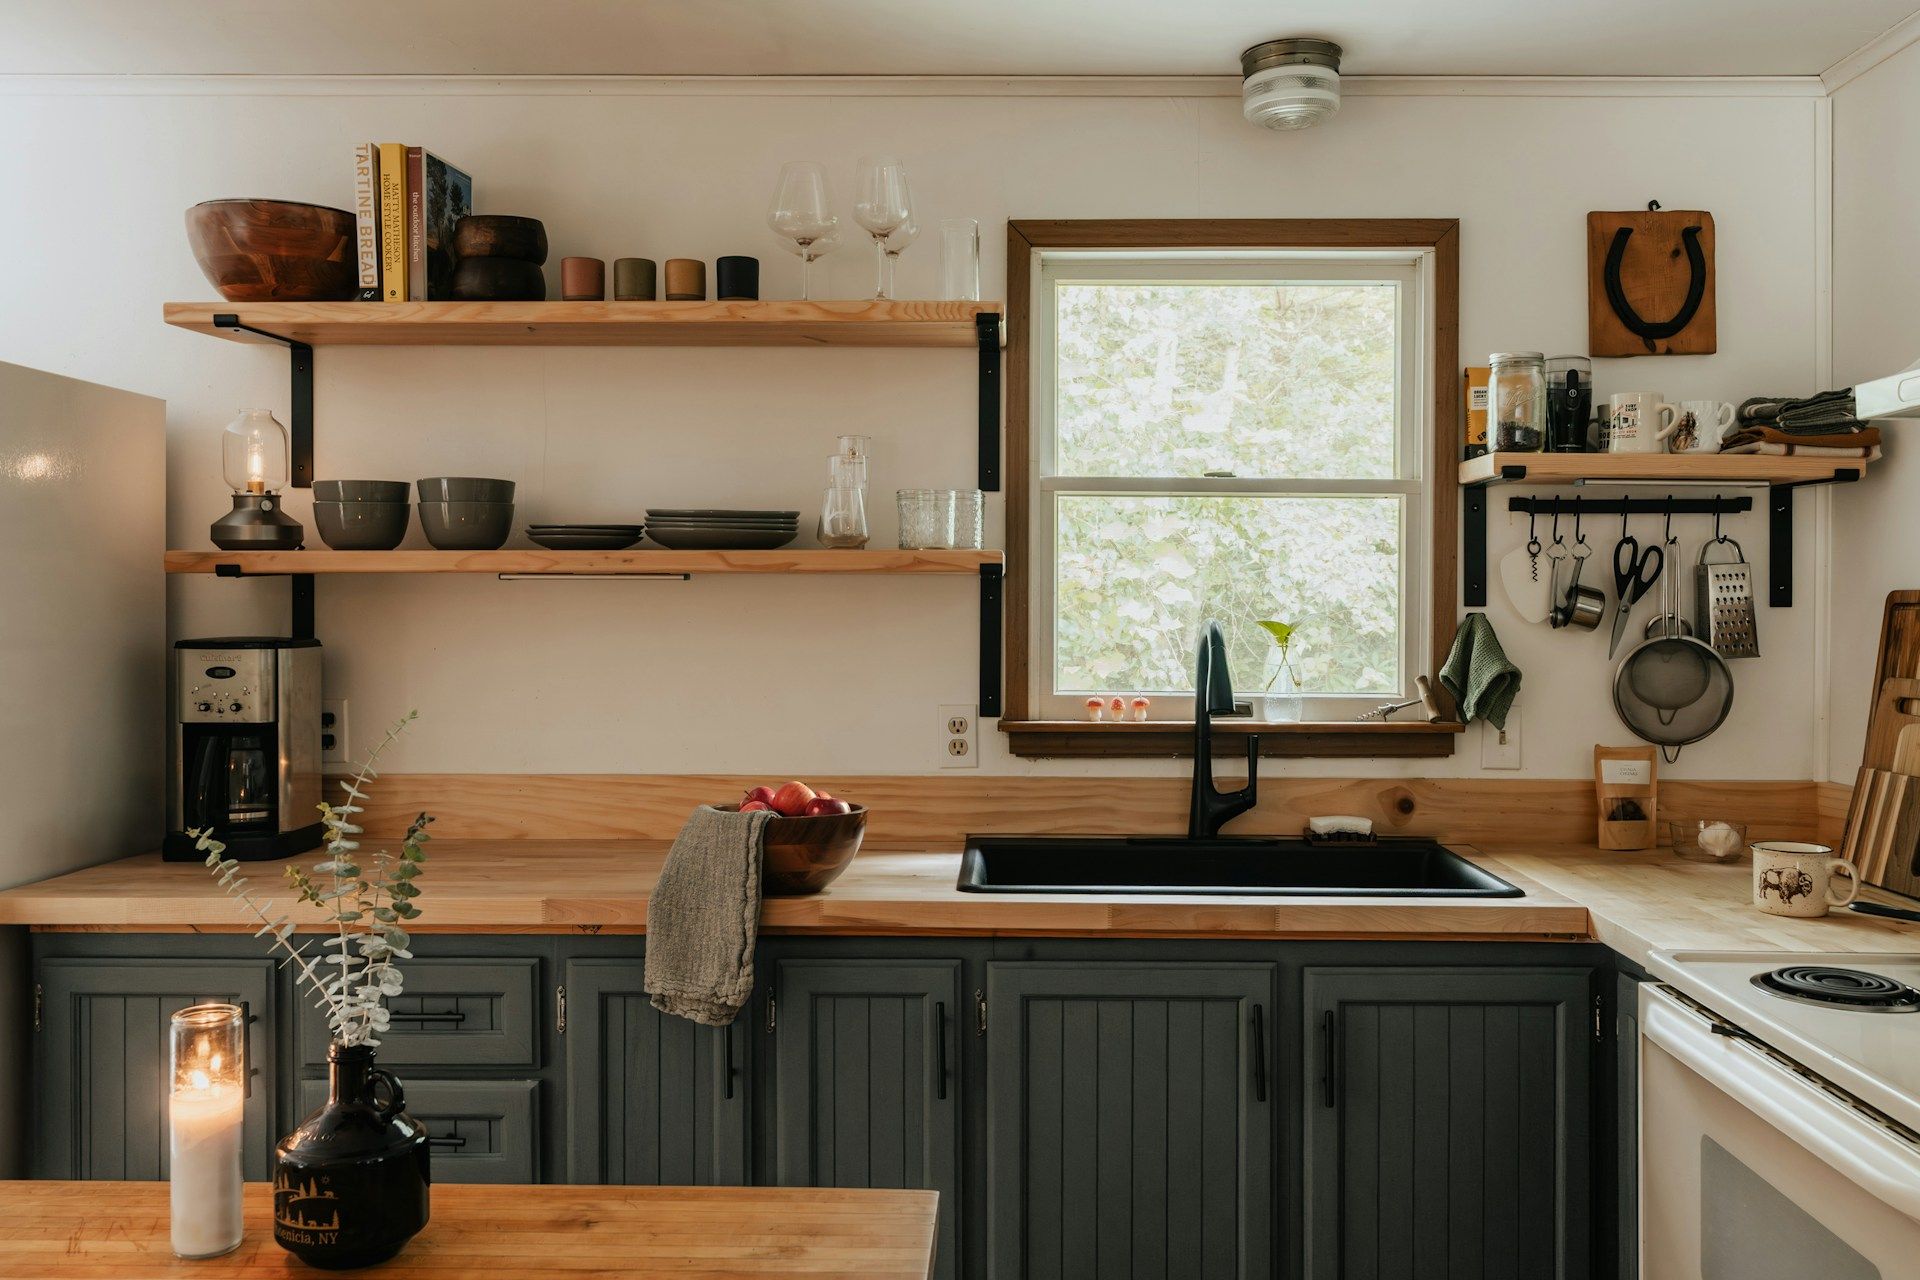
{"x":821,"y":806}
{"x":755,"y":806}
{"x":791,"y":799}
{"x":763,"y":794}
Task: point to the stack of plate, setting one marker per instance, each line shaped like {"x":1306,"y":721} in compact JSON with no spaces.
{"x":586,"y":537}
{"x":711,"y":529}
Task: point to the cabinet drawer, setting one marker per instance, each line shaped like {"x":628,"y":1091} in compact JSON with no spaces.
{"x":480,"y":1130}
{"x":454,"y":1013}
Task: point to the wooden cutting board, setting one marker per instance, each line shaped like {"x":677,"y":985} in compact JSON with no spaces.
{"x":1899,"y":638}
{"x":1883,"y":830}
{"x":1896,"y":708}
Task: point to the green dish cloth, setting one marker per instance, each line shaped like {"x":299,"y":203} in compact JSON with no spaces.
{"x":1478,"y":675}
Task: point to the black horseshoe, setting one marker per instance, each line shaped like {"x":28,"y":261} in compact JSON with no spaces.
{"x":1617,"y":296}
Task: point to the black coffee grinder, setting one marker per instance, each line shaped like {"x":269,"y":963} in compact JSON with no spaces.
{"x":246,"y":747}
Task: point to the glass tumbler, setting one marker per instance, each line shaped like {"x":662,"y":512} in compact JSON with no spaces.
{"x":960,"y":259}
{"x":921,"y":525}
{"x":843,"y":518}
{"x":965,"y":511}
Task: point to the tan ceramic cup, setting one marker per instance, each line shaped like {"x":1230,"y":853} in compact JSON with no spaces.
{"x":1792,"y":878}
{"x":686,"y":280}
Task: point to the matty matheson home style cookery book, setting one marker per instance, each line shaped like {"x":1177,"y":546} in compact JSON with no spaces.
{"x":406,"y":201}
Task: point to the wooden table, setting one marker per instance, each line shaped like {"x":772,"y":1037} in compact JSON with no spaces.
{"x":119,"y":1230}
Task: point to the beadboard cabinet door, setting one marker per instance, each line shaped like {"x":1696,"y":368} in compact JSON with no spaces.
{"x":1447,"y":1121}
{"x":100,"y":1096}
{"x":1130,"y":1119}
{"x":651,"y":1100}
{"x":866,"y":1081}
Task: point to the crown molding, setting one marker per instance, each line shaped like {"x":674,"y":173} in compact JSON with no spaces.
{"x":20,"y":84}
{"x":1872,"y":53}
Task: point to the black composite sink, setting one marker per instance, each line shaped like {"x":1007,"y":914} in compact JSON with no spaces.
{"x":1391,"y":868}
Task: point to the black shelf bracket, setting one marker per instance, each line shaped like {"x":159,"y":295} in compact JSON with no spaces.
{"x":1780,"y":535}
{"x":300,"y":597}
{"x":986,"y":327}
{"x":992,"y":612}
{"x":300,"y":430}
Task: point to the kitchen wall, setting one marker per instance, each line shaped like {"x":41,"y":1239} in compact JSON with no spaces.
{"x":1876,"y":331}
{"x":766,"y":675}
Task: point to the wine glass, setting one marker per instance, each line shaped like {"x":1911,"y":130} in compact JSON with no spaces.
{"x":802,"y":211}
{"x":903,"y":235}
{"x":883,"y":204}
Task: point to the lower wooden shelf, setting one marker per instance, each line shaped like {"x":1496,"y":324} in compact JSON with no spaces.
{"x":597,"y":563}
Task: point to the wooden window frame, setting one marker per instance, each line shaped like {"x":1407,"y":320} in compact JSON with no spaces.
{"x":1438,"y":236}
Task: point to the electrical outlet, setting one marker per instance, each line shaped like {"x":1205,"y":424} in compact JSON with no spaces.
{"x":960,"y":738}
{"x":1500,"y":748}
{"x":333,"y":731}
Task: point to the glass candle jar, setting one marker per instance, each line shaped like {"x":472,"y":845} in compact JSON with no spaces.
{"x":941,"y":519}
{"x":205,"y":1114}
{"x":1517,"y":401}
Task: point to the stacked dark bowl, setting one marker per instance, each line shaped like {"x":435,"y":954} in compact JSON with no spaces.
{"x":361,"y":515}
{"x":466,"y":513}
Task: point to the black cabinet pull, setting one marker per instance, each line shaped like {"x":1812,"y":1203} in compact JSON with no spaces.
{"x":1259,"y":1053}
{"x":726,"y":1048}
{"x":940,"y":1049}
{"x":397,"y":1016}
{"x":1329,"y":1063}
{"x":453,"y":1140}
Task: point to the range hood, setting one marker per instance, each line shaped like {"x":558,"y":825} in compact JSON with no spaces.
{"x":1894,"y":397}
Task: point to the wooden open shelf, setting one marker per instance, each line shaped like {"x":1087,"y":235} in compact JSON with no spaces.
{"x":1683,"y":468}
{"x":595,"y":324}
{"x":635,"y":562}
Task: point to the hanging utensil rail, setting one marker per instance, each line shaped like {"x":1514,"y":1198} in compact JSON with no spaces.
{"x":1714,"y":506}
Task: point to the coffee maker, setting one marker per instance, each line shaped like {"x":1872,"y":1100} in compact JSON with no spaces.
{"x":246,"y":747}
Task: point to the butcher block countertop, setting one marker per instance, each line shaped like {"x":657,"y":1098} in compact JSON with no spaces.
{"x":89,"y":1230}
{"x":1633,"y":902}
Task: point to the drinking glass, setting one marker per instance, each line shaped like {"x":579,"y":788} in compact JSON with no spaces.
{"x":883,"y":204}
{"x":960,"y":259}
{"x":843,"y":518}
{"x":802,"y":212}
{"x":905,"y":234}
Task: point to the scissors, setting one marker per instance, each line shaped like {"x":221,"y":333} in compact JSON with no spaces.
{"x":1634,"y":572}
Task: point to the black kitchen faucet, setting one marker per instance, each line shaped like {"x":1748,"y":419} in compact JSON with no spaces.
{"x":1211,"y":808}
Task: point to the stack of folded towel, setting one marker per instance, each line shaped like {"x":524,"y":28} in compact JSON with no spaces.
{"x":1821,"y":426}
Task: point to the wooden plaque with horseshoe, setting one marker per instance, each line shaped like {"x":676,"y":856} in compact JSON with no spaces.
{"x":1650,"y":283}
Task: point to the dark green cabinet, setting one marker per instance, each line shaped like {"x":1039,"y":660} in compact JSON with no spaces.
{"x":866,"y":1081}
{"x":1130,"y":1119}
{"x":651,"y":1099}
{"x":477,"y":1130}
{"x":1446,"y":1122}
{"x":100,"y":1107}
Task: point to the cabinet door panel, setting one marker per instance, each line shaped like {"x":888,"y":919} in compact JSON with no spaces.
{"x":1130,"y":1124}
{"x":652,"y":1099}
{"x":479,"y":1130}
{"x":453,"y":1013}
{"x":866,"y":1087}
{"x":1446,"y":1123}
{"x":101,"y":1104}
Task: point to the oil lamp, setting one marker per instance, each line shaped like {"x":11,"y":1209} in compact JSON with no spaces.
{"x":205,"y":1116}
{"x":253,"y":457}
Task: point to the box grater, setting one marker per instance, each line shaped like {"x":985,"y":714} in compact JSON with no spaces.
{"x":1724,"y":608}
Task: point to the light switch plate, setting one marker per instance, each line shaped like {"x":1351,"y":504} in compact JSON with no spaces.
{"x":1498,"y":754}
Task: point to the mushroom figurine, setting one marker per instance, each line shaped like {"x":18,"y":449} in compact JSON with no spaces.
{"x":1118,"y":708}
{"x":1096,"y":709}
{"x":1140,"y":706}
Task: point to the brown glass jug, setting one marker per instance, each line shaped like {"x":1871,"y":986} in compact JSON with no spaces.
{"x":350,"y":1184}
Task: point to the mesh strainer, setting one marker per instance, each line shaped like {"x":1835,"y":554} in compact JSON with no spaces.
{"x":1673,"y":689}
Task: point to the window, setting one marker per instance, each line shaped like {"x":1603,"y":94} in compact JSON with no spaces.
{"x":1230,"y":432}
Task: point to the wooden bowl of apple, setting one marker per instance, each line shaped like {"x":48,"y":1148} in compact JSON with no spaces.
{"x":810,"y":839}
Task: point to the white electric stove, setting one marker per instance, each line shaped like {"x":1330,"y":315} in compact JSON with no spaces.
{"x":1780,"y":1117}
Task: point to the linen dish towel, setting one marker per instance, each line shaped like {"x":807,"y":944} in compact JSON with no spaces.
{"x":1478,"y":675}
{"x":1827,"y":438}
{"x":1828,"y":409}
{"x":704,"y":917}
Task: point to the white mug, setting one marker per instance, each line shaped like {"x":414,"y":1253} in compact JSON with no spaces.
{"x":1641,"y":421}
{"x":1791,"y":878}
{"x":1701,"y":426}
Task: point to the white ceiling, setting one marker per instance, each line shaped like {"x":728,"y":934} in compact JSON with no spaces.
{"x":928,"y":37}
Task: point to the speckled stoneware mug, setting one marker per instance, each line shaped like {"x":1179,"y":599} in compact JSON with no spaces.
{"x":1794,"y":878}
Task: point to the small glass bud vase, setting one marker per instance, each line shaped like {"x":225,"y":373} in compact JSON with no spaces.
{"x":205,"y":1115}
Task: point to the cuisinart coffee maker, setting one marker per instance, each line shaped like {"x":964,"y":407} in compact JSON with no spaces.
{"x":246,"y":747}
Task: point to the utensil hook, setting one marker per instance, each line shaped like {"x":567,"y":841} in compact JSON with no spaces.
{"x":1533,"y":538}
{"x":1669,"y":534}
{"x":1558,"y":541}
{"x":1579,"y":538}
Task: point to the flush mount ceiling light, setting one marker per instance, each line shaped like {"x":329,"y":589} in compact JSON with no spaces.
{"x":1290,"y":84}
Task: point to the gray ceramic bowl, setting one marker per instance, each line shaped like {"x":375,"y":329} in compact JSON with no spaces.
{"x":467,"y":526}
{"x":362,"y":491}
{"x":361,"y":526}
{"x":464,"y":489}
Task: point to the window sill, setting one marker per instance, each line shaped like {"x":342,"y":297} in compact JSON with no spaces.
{"x":1060,"y":738}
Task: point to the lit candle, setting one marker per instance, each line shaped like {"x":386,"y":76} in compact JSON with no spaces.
{"x":205,"y":1115}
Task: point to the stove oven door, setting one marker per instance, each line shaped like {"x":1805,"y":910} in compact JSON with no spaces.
{"x":1751,"y":1171}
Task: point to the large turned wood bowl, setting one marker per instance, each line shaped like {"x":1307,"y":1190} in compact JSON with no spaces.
{"x":805,"y":855}
{"x":275,"y":250}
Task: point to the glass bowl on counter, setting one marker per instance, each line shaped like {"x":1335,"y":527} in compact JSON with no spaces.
{"x":1709,"y":839}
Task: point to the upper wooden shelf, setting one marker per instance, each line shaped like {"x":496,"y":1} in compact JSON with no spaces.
{"x":1711,"y":468}
{"x":596,"y":324}
{"x":614,"y":563}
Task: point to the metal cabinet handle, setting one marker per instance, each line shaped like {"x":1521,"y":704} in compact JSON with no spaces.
{"x":1259,"y":1053}
{"x":454,"y":1140}
{"x":1329,"y":1062}
{"x":456,"y":1017}
{"x":726,"y":1048}
{"x":940,"y":1048}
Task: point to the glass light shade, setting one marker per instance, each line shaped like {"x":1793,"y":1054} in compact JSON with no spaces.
{"x":254,"y":453}
{"x":206,"y":1112}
